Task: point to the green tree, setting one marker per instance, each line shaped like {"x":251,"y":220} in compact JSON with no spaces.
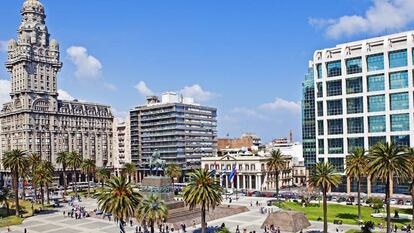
{"x":173,"y":171}
{"x":42,"y":177}
{"x":5,"y":196}
{"x":410,"y":154}
{"x":75,"y":161}
{"x":103,"y":174}
{"x":203,"y":190}
{"x":48,"y":166}
{"x":63,"y":159}
{"x":118,"y":198}
{"x":324,"y":177}
{"x":129,"y":169}
{"x":16,"y":161}
{"x":152,"y":210}
{"x":276,"y":163}
{"x":385,"y":162}
{"x":356,"y":168}
{"x":88,"y":167}
{"x":34,"y":162}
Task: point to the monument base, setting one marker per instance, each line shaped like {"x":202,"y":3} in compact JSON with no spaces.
{"x":161,"y":186}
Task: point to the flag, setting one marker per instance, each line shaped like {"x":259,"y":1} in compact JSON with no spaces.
{"x":223,"y":174}
{"x":233,"y":173}
{"x":214,"y":171}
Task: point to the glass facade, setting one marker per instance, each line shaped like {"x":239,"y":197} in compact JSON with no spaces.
{"x":372,"y":141}
{"x":376,"y":103}
{"x":334,"y":68}
{"x":354,"y":65}
{"x":375,"y":62}
{"x":320,"y":108}
{"x":399,"y":101}
{"x":334,"y":88}
{"x":400,"y":122}
{"x":354,"y":105}
{"x":334,"y":107}
{"x":402,"y":140}
{"x":320,"y":128}
{"x":338,"y":163}
{"x":319,"y":90}
{"x":399,"y":80}
{"x":335,"y":126}
{"x":354,"y":143}
{"x":335,"y":146}
{"x":398,"y":58}
{"x":376,"y":124}
{"x":321,"y":147}
{"x":308,"y":119}
{"x":319,"y":70}
{"x":354,"y":85}
{"x":355,"y":125}
{"x":376,"y":83}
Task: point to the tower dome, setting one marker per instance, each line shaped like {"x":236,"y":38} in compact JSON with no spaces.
{"x":54,"y":45}
{"x":12,"y":44}
{"x":33,"y":6}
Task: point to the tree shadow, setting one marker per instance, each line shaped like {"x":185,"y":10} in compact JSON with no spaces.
{"x":347,"y":216}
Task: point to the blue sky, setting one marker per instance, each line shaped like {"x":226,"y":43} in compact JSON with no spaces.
{"x":247,"y":58}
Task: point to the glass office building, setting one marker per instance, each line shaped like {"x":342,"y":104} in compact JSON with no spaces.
{"x":364,"y":95}
{"x":308,"y":118}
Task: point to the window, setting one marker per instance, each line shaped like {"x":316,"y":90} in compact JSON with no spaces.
{"x":320,"y":108}
{"x":354,"y":65}
{"x":334,"y":68}
{"x":354,"y":85}
{"x":320,"y":127}
{"x":334,"y":107}
{"x":321,"y":146}
{"x":398,"y":80}
{"x":335,"y":146}
{"x":376,"y":103}
{"x":376,"y":124}
{"x":399,"y":101}
{"x":402,"y":140}
{"x":355,"y":125}
{"x":334,"y":88}
{"x":398,"y":58}
{"x":319,"y":70}
{"x":400,"y":122}
{"x":338,"y":163}
{"x":354,"y":105}
{"x":375,"y":62}
{"x":335,"y":126}
{"x":354,"y":143}
{"x":376,"y":83}
{"x":372,"y":141}
{"x":319,"y":89}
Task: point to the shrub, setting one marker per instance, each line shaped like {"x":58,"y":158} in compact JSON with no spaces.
{"x":367,"y":227}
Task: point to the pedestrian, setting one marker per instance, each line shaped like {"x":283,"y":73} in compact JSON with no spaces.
{"x":25,"y":230}
{"x":64,"y":213}
{"x":130,"y":222}
{"x":238,"y":230}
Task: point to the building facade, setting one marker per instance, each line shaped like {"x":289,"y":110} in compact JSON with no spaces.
{"x":247,"y":141}
{"x":121,"y":145}
{"x":364,"y":95}
{"x":180,"y":130}
{"x":36,"y":120}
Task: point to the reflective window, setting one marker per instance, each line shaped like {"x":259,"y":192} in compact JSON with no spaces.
{"x":320,"y":108}
{"x":376,"y":103}
{"x":355,"y":125}
{"x":319,"y":89}
{"x":372,"y":141}
{"x":354,"y":105}
{"x":334,"y":88}
{"x":334,"y":107}
{"x":399,"y":101}
{"x":354,"y":143}
{"x":319,"y":70}
{"x":398,"y":58}
{"x":402,"y":140}
{"x":376,"y":124}
{"x":334,"y":68}
{"x":320,"y":128}
{"x":321,"y":146}
{"x":398,"y":80}
{"x":376,"y":83}
{"x":335,"y":126}
{"x":400,"y":122}
{"x":338,"y":163}
{"x":354,"y":85}
{"x":354,"y":65}
{"x":375,"y":62}
{"x":335,"y":146}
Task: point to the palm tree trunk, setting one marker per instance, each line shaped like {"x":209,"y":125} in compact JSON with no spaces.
{"x":35,"y":190}
{"x":387,"y":203}
{"x":412,"y":200}
{"x":74,"y":183}
{"x":325,"y":211}
{"x":203,"y":218}
{"x":7,"y":208}
{"x":16,"y":192}
{"x":277,"y":187}
{"x":23,"y":189}
{"x":87,"y":179}
{"x":42,"y":193}
{"x":359,"y":198}
{"x":47,"y":194}
{"x":152,"y":227}
{"x":65,"y":182}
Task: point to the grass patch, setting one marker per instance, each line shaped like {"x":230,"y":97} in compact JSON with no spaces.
{"x":348,"y":214}
{"x":26,"y":211}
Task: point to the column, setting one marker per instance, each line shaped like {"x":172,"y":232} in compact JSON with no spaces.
{"x":227,"y":181}
{"x":259,"y":187}
{"x":250,"y":181}
{"x":369,"y":186}
{"x":238,"y":182}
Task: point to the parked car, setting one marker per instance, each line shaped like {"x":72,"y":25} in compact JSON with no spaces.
{"x":408,"y":202}
{"x":393,"y":201}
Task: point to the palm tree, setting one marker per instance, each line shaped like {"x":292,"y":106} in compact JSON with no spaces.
{"x":129,"y":170}
{"x":42,"y":177}
{"x":75,"y":161}
{"x":34,"y":162}
{"x":152,"y":210}
{"x":88,"y":167}
{"x":356,"y":168}
{"x":103,"y":174}
{"x":48,"y":166}
{"x":16,"y":161}
{"x":410,"y":153}
{"x":63,"y":159}
{"x":324,"y":177}
{"x":5,"y":196}
{"x":173,"y":171}
{"x":388,"y":161}
{"x":275,"y":164}
{"x":205,"y":191}
{"x":118,"y":198}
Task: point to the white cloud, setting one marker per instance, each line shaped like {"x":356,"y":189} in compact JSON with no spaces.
{"x":249,"y":112}
{"x":110,"y":86}
{"x":143,"y":89}
{"x":3,"y":46}
{"x":5,"y":88}
{"x":64,"y":95}
{"x":282,"y":105}
{"x":87,"y":66}
{"x":383,"y":15}
{"x":120,"y":115}
{"x":197,"y":93}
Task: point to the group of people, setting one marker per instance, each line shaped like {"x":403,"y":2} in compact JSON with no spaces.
{"x":163,"y":228}
{"x":77,"y":212}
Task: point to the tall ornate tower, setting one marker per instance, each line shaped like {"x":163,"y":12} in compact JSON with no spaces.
{"x":33,"y":61}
